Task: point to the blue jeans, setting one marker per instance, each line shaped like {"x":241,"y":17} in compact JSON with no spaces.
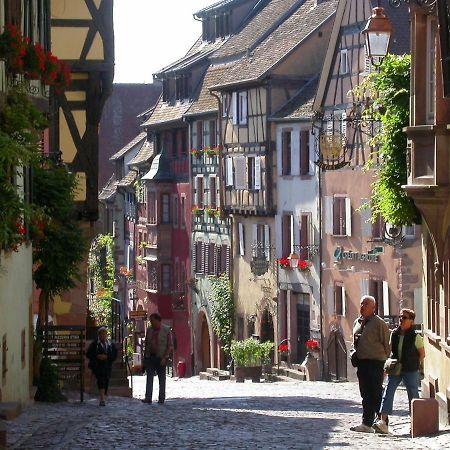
{"x":411,"y":382}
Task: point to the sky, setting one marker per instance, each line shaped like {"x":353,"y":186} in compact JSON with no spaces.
{"x":150,"y":34}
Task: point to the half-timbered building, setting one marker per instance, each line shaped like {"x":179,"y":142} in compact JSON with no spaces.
{"x":358,"y":256}
{"x":428,"y":185}
{"x":297,"y":224}
{"x":82,"y":36}
{"x":266,"y":63}
{"x":16,"y":284}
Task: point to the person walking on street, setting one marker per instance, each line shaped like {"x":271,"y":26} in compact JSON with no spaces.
{"x":101,"y":354}
{"x":158,"y":346}
{"x":371,"y":346}
{"x":408,"y":351}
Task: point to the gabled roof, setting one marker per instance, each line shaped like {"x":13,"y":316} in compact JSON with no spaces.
{"x":399,"y":40}
{"x":215,"y":7}
{"x":144,"y":155}
{"x":299,"y":107}
{"x":207,"y":103}
{"x":283,"y":39}
{"x":166,"y":113}
{"x":109,"y":190}
{"x":128,"y":179}
{"x":137,"y":140}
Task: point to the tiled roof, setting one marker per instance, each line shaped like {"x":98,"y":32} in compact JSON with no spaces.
{"x":144,"y":154}
{"x":128,"y":179}
{"x":165,"y":112}
{"x":299,"y":106}
{"x":253,"y":31}
{"x":140,"y":137}
{"x":205,"y":101}
{"x":108,"y":192}
{"x":285,"y":38}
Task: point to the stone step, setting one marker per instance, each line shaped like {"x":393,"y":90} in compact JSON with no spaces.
{"x":292,"y":373}
{"x":205,"y":376}
{"x":120,"y":391}
{"x":214,"y":375}
{"x":9,"y":410}
{"x":217,"y":372}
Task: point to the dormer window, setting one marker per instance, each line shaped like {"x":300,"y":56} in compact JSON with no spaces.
{"x":182,"y":87}
{"x":216,"y":27}
{"x":165,"y":90}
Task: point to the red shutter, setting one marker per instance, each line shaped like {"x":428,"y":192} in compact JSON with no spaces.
{"x":304,"y":153}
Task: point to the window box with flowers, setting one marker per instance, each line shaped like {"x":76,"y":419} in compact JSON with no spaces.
{"x":197,"y":211}
{"x":283,"y":351}
{"x":212,"y":151}
{"x":291,"y":263}
{"x":196,"y":152}
{"x":212,"y":212}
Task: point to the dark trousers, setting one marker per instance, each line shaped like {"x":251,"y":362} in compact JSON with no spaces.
{"x":103,"y":374}
{"x":154,"y":368}
{"x":370,"y":376}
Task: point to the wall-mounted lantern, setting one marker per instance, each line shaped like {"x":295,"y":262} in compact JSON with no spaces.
{"x":377,"y":34}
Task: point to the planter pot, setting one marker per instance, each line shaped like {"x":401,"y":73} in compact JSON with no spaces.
{"x":241,"y":373}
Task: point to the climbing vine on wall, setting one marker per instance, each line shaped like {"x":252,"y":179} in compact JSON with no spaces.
{"x":101,"y":274}
{"x":222,"y":310}
{"x":390,"y":89}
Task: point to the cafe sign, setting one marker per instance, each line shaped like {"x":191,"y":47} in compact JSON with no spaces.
{"x":259,"y":265}
{"x":340,"y":254}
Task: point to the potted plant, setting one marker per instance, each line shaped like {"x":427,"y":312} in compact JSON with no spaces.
{"x":284,"y":263}
{"x":248,"y":357}
{"x":283,"y":351}
{"x":313,"y":347}
{"x":197,"y":211}
{"x":34,"y":61}
{"x":212,"y":151}
{"x":196,"y":152}
{"x":12,"y":47}
{"x":212,"y":212}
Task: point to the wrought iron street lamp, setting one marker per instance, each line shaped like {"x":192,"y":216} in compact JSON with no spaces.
{"x":293,"y":260}
{"x":377,"y":34}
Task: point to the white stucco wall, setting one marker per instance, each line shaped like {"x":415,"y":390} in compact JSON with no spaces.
{"x":15,"y":316}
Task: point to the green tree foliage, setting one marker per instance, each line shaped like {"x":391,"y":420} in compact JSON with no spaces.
{"x":58,"y":242}
{"x":222,"y":310}
{"x":390,"y":89}
{"x":20,"y":127}
{"x":102,"y":273}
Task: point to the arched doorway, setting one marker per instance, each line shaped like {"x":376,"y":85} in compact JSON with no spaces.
{"x":205,"y":346}
{"x":267,"y":332}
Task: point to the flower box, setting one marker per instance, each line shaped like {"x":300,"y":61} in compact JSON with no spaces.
{"x":197,"y":152}
{"x":197,"y":211}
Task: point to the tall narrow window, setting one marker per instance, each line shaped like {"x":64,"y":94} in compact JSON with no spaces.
{"x":286,"y":152}
{"x":199,"y":191}
{"x":152,"y":207}
{"x":339,"y":299}
{"x":212,"y":192}
{"x":211,"y":258}
{"x":183,"y":211}
{"x":304,"y":152}
{"x":305,"y":239}
{"x":165,"y":208}
{"x":254,"y":172}
{"x":431,"y":69}
{"x":212,"y":134}
{"x":199,"y":143}
{"x":166,"y":277}
{"x":286,"y":236}
{"x":344,"y":62}
{"x":341,"y":216}
{"x":199,"y":257}
{"x":242,"y":108}
{"x":175,"y":211}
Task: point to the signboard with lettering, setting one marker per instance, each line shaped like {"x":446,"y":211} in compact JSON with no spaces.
{"x":340,"y":254}
{"x":259,"y":265}
{"x":137,"y":315}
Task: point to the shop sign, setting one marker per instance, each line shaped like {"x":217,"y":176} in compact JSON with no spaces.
{"x":259,"y":265}
{"x":137,"y":315}
{"x":332,"y":151}
{"x":340,"y":254}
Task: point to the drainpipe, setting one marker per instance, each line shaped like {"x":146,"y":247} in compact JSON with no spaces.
{"x":322,"y":350}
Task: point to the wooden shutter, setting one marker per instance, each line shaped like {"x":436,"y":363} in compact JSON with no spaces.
{"x":386,"y":309}
{"x":241,"y":231}
{"x":199,"y":192}
{"x":199,"y":144}
{"x":211,"y":258}
{"x":344,"y":308}
{"x":304,"y":236}
{"x":240,"y":172}
{"x":227,"y":260}
{"x":243,"y":108}
{"x":229,"y":171}
{"x":364,"y":286}
{"x":291,"y":220}
{"x":328,"y":213}
{"x":234,"y":112}
{"x":366,"y":214}
{"x":212,"y":192}
{"x":212,"y":133}
{"x":257,"y":176}
{"x":286,"y":153}
{"x":304,"y":152}
{"x":286,"y":235}
{"x":267,"y":241}
{"x":194,"y":256}
{"x":348,"y":217}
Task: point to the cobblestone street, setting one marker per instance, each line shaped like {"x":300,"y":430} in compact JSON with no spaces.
{"x":205,"y":414}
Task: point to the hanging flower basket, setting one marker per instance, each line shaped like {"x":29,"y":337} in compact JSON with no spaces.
{"x":12,"y":47}
{"x":34,"y":61}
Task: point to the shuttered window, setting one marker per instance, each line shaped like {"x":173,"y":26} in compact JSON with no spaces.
{"x":229,"y":171}
{"x":339,"y":299}
{"x":286,"y":236}
{"x":212,"y":192}
{"x":240,"y":172}
{"x":199,"y":257}
{"x":304,"y":225}
{"x":211,"y":258}
{"x":199,"y":136}
{"x":304,"y":152}
{"x":165,"y":208}
{"x":241,"y":238}
{"x":212,"y":133}
{"x":286,"y":154}
{"x":342,"y":216}
{"x":199,"y":191}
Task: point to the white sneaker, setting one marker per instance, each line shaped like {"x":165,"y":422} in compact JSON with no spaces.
{"x":362,"y":429}
{"x":380,"y":426}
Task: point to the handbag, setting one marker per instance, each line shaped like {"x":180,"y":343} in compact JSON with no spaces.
{"x":354,"y":358}
{"x":392,"y":366}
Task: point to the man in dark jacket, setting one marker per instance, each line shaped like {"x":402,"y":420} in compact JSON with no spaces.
{"x":158,"y":346}
{"x":371,"y":343}
{"x":101,"y":354}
